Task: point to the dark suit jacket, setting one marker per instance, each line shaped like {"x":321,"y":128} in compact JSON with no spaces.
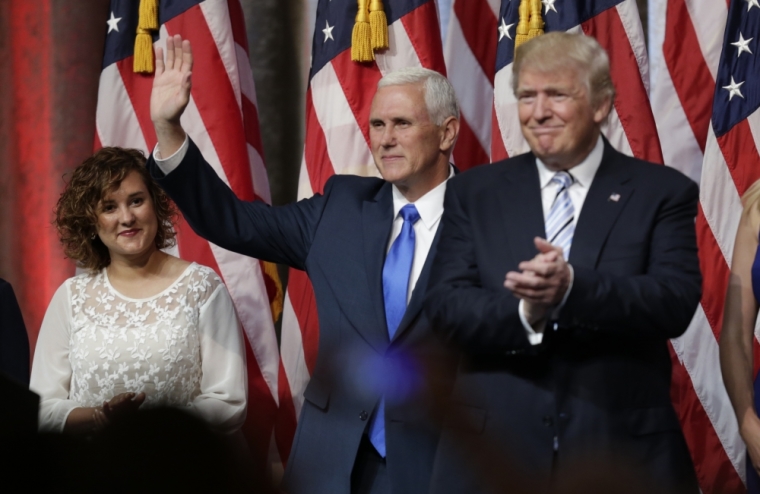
{"x":339,"y":238}
{"x":14,"y":342}
{"x":599,"y":384}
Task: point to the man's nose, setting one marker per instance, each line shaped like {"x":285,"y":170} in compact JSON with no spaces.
{"x":542,"y":107}
{"x":388,"y":137}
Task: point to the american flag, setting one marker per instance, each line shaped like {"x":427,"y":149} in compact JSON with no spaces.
{"x":222,"y":119}
{"x":617,"y":26}
{"x":694,"y":83}
{"x":338,"y":101}
{"x":470,"y":53}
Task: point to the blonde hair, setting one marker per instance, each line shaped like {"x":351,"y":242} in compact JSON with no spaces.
{"x":561,"y":50}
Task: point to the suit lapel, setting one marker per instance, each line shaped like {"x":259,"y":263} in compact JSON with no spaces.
{"x":605,"y":200}
{"x":522,"y":214}
{"x":377,"y":220}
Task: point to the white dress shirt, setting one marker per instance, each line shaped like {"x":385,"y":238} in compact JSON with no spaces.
{"x":430,"y":207}
{"x":583,"y":174}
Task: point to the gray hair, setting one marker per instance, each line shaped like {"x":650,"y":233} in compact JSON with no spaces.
{"x":561,"y":50}
{"x":440,"y":98}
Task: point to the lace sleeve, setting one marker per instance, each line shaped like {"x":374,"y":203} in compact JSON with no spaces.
{"x":51,"y":369}
{"x":222,"y":401}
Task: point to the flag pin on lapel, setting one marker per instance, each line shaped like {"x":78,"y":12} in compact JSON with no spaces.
{"x":615,"y":197}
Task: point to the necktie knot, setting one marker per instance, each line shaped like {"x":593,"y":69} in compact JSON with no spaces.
{"x":563,"y":179}
{"x":409,"y":213}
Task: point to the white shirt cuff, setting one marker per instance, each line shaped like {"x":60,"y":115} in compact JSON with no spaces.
{"x":534,"y":337}
{"x":169,"y":164}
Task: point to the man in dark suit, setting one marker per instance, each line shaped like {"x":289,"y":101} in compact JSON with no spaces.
{"x":561,"y":274}
{"x":364,"y":426}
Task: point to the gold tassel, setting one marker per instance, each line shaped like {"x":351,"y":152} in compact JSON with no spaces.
{"x":148,"y":15}
{"x":379,"y":24}
{"x":143,"y":59}
{"x":276,"y":298}
{"x":536,"y":21}
{"x":361,"y":38}
{"x":523,"y":25}
{"x":148,"y":21}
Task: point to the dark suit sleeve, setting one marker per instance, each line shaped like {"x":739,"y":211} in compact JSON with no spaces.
{"x":14,"y":342}
{"x":461,"y":310}
{"x":660,"y":302}
{"x":277,"y":234}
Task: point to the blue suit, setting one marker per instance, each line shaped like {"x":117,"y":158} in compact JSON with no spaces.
{"x":339,"y":238}
{"x":598,"y":386}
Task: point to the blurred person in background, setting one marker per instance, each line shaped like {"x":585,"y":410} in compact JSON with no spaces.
{"x":14,"y":342}
{"x":738,"y":335}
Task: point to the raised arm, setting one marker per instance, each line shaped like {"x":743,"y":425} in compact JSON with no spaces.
{"x":171,"y":93}
{"x":737,"y":335}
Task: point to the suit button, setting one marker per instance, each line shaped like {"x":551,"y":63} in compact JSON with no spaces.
{"x":548,"y":420}
{"x":363,"y":415}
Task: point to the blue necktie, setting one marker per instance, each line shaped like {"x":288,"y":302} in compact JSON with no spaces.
{"x":396,"y":271}
{"x":559,"y":223}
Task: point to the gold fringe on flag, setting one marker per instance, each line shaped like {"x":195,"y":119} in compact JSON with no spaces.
{"x":536,"y":21}
{"x":379,"y":24}
{"x":361,"y":38}
{"x":148,"y":15}
{"x":148,"y":22}
{"x":523,"y":25}
{"x":274,"y":289}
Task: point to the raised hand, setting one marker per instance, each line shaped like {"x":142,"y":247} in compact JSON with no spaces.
{"x":172,"y":81}
{"x":171,"y":93}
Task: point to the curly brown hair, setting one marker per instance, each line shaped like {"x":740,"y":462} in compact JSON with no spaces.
{"x":76,"y":214}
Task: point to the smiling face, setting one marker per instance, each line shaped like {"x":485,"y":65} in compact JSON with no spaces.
{"x":409,"y":149}
{"x":557,"y":117}
{"x":127,"y":222}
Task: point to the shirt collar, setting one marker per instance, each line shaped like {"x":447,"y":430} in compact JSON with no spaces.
{"x":583,"y":173}
{"x":430,"y":206}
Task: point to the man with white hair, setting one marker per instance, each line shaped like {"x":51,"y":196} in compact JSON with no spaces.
{"x":561,"y":274}
{"x":364,"y":242}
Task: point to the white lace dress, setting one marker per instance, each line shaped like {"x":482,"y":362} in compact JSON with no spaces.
{"x":182,"y":347}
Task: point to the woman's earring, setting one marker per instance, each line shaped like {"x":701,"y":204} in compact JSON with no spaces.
{"x":93,"y":236}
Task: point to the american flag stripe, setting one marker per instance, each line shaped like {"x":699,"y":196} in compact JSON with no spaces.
{"x":619,"y":31}
{"x":338,"y":103}
{"x":683,"y":92}
{"x":471,"y":50}
{"x":222,"y":119}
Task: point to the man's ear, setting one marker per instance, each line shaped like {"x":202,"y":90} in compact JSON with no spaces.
{"x":602,"y":110}
{"x":449,"y":133}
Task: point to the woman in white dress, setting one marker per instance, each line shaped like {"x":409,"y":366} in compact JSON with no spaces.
{"x":141,"y":327}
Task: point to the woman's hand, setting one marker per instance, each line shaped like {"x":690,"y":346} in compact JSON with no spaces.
{"x":122,"y":405}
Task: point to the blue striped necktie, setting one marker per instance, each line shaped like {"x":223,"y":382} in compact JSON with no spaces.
{"x":559,"y":223}
{"x":396,"y":271}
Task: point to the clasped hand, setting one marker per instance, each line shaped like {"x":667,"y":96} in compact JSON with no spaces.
{"x":542,"y":281}
{"x":119,"y":406}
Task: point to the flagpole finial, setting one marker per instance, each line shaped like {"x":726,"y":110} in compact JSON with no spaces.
{"x":361,"y":38}
{"x":147,"y":23}
{"x":379,"y":25}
